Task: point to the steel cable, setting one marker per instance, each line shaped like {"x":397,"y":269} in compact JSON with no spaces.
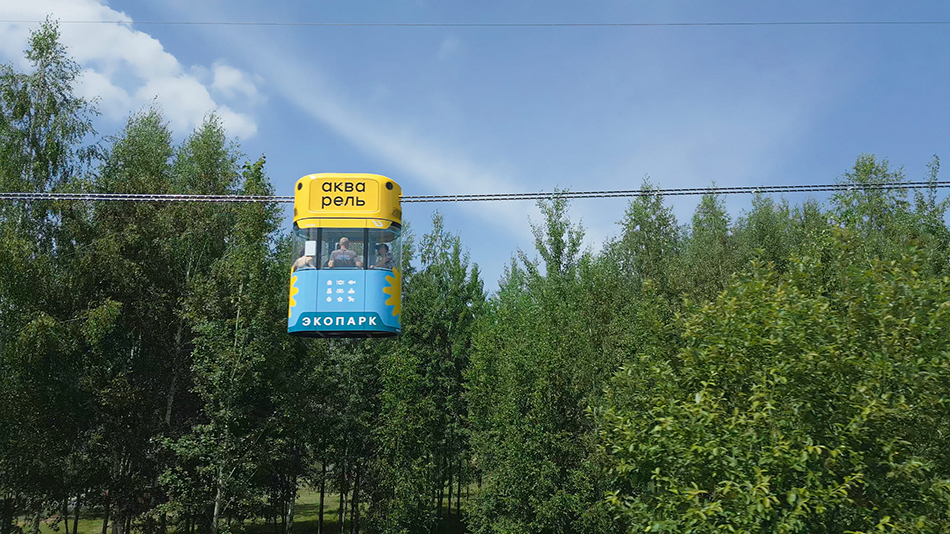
{"x":493,"y":197}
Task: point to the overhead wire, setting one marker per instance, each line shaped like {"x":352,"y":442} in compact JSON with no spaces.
{"x":492,"y":197}
{"x":678,"y":191}
{"x":501,"y":24}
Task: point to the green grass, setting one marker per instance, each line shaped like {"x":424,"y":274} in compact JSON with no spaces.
{"x":306,"y":518}
{"x":306,"y":515}
{"x":88,"y":524}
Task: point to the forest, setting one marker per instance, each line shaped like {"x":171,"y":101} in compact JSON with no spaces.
{"x":781,"y":370}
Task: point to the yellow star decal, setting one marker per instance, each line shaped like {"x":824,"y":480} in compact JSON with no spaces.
{"x":394,"y":290}
{"x":293,"y":291}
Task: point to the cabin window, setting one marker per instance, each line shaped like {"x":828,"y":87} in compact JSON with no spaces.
{"x":343,"y":248}
{"x":346,"y":248}
{"x":385,"y":248}
{"x":304,"y":251}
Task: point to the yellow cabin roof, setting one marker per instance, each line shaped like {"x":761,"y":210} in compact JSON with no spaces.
{"x":335,"y":200}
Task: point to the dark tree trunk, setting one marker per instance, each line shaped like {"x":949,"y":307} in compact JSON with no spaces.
{"x":448,"y":511}
{"x":105,"y":514}
{"x":440,"y":494}
{"x":64,"y":513}
{"x":75,"y":516}
{"x":342,"y":513}
{"x":170,"y":397}
{"x":323,"y":488}
{"x":458,"y":492}
{"x":355,"y":504}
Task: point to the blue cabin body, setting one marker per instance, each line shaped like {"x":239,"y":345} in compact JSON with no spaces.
{"x":344,"y":303}
{"x":345,"y":279}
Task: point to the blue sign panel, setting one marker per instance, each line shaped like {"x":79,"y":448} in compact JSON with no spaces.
{"x":344,"y":300}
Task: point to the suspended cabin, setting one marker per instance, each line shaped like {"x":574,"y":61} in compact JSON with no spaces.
{"x":345,"y":279}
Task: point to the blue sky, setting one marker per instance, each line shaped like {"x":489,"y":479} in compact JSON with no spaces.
{"x":480,"y":110}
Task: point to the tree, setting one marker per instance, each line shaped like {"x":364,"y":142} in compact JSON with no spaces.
{"x":234,"y":310}
{"x":709,"y":249}
{"x":765,"y":235}
{"x":423,"y":437}
{"x":125,"y":259}
{"x":934,"y":237}
{"x":43,"y":126}
{"x":538,"y":364}
{"x":792,"y":403}
{"x":881,"y":216}
{"x":649,"y":246}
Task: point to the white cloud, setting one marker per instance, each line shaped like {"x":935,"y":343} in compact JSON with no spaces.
{"x":185,"y":101}
{"x":113,"y":100}
{"x":231,"y":82}
{"x":238,"y":124}
{"x":127,"y":69}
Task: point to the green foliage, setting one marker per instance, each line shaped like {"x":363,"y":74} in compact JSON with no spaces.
{"x":42,"y":122}
{"x":649,"y":247}
{"x":640,"y":277}
{"x":709,"y":250}
{"x":424,"y":434}
{"x":880,"y":216}
{"x":43,"y":350}
{"x":538,"y":362}
{"x":766,"y":234}
{"x":792,"y":406}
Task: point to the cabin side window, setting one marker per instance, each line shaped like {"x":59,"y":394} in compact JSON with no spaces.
{"x":386,"y":250}
{"x":304,"y":249}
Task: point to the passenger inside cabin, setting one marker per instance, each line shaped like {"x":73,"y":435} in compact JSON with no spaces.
{"x":383,"y":259}
{"x":343,"y":256}
{"x":303,"y":262}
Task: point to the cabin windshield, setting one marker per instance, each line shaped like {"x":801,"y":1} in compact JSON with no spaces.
{"x":342,"y":248}
{"x":346,"y":248}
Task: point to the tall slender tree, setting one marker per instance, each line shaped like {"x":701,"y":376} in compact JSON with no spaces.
{"x":423,"y":435}
{"x":43,"y":128}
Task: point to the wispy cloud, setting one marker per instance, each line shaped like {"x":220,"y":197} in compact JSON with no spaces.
{"x":127,"y":69}
{"x":232,"y":82}
{"x":441,"y":169}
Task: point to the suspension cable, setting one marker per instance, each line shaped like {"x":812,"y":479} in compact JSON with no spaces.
{"x":499,"y":24}
{"x":495,"y":197}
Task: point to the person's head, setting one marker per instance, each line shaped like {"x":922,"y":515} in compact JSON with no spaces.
{"x":383,"y":249}
{"x":344,"y":243}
